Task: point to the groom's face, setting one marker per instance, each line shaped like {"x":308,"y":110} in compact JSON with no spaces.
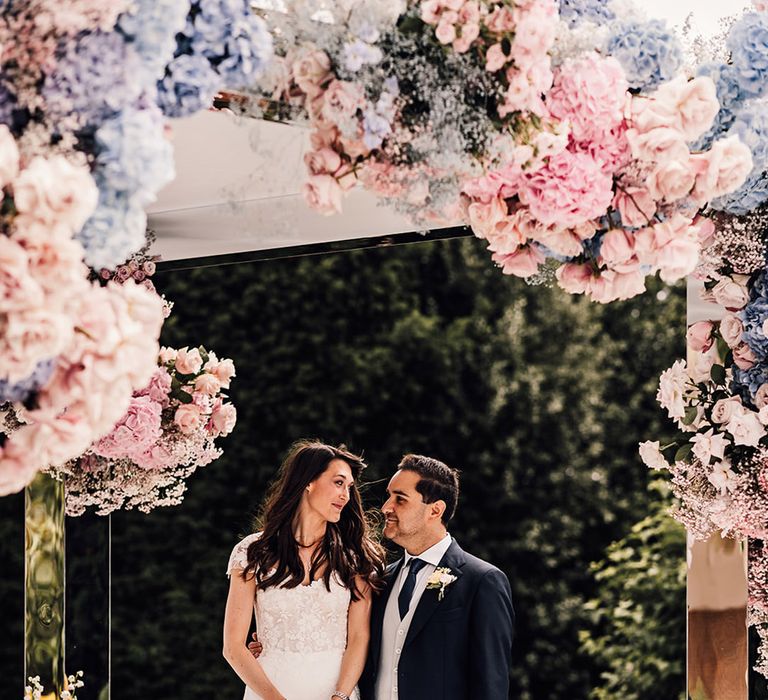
{"x":406,"y":513}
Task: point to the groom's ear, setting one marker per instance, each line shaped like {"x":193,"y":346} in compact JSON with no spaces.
{"x":437,"y":508}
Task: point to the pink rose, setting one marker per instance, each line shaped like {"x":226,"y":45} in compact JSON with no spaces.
{"x":223,"y":418}
{"x":574,"y":278}
{"x":9,"y":156}
{"x":506,"y":238}
{"x":699,"y":336}
{"x":524,"y":262}
{"x":430,"y":11}
{"x":731,"y":329}
{"x":469,"y":31}
{"x":495,"y":58}
{"x":18,"y":289}
{"x":446,"y":31}
{"x":561,"y":241}
{"x":671,"y":246}
{"x":659,"y":145}
{"x":534,"y":33}
{"x":743,"y":357}
{"x":341,"y":100}
{"x":635,"y":205}
{"x":647,"y":113}
{"x":617,"y":247}
{"x":483,"y":218}
{"x":728,"y":292}
{"x":501,"y":20}
{"x":207,"y":384}
{"x":761,"y":396}
{"x":224,"y":372}
{"x":628,"y":283}
{"x":167,"y":355}
{"x":381,"y":178}
{"x":670,"y":181}
{"x":310,"y":70}
{"x":188,"y":361}
{"x":722,"y":169}
{"x":54,"y":190}
{"x":188,"y":417}
{"x":323,"y":194}
{"x":322,"y":162}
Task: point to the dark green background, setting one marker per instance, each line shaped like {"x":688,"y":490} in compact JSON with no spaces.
{"x":539,"y":398}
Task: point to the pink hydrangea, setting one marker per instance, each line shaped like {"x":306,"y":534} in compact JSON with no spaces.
{"x":590,"y":92}
{"x":135,"y":432}
{"x":568,"y":191}
{"x":159,"y":387}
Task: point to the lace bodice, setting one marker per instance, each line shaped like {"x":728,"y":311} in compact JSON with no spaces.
{"x":304,"y":619}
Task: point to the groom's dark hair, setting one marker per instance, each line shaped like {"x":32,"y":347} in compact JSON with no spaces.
{"x":437,"y":482}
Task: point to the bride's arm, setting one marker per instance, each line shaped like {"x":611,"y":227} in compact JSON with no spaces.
{"x":237,"y":622}
{"x":358,"y":634}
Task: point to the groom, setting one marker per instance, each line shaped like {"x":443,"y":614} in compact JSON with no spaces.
{"x":442,"y":627}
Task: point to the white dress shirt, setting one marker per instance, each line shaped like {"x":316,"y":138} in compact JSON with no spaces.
{"x":394,"y":630}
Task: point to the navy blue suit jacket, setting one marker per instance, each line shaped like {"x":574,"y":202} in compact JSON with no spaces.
{"x":456,"y":648}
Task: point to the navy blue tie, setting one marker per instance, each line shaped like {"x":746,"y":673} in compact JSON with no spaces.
{"x":406,"y":592}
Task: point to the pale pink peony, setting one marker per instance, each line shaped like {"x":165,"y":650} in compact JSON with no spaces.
{"x":627,"y":283}
{"x":699,"y":336}
{"x":522,"y":263}
{"x":635,"y":205}
{"x":570,"y":190}
{"x":223,"y":419}
{"x":589,"y":91}
{"x":659,"y":145}
{"x":670,"y":181}
{"x":323,"y":194}
{"x":188,"y":418}
{"x":9,"y":156}
{"x":27,"y":337}
{"x":722,"y":169}
{"x":17,"y":467}
{"x":188,"y":361}
{"x":53,"y":190}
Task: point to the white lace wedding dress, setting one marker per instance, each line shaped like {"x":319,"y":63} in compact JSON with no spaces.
{"x":303,"y":631}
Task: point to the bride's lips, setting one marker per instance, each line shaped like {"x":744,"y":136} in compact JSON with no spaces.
{"x":336,"y":505}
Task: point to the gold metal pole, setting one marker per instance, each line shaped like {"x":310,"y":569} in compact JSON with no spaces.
{"x":44,"y":584}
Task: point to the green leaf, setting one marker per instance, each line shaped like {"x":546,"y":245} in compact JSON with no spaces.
{"x":682,"y":454}
{"x":722,"y":348}
{"x":690,"y":414}
{"x":718,"y":374}
{"x":183,"y":396}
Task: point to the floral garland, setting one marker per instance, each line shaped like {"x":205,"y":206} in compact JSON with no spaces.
{"x":582,"y":160}
{"x":167,"y":432}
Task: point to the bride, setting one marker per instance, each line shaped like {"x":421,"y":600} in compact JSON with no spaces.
{"x":308,"y":575}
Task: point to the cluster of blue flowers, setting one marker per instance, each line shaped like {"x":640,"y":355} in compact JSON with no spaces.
{"x":223,"y":44}
{"x":753,"y":316}
{"x":748,"y":44}
{"x":751,"y":126}
{"x":648,"y":52}
{"x":24,"y":389}
{"x":577,"y":11}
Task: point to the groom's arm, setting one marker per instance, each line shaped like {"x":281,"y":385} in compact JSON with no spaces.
{"x":491,"y":630}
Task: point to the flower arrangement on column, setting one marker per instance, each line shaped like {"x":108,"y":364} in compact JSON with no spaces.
{"x":85,"y":88}
{"x":581,"y":153}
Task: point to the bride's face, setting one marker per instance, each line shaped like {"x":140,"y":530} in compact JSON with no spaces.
{"x":329,"y":493}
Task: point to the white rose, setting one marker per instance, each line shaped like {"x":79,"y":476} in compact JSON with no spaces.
{"x":730,"y":293}
{"x":731,"y":329}
{"x":671,"y":389}
{"x":651,"y":455}
{"x":724,"y":409}
{"x":746,"y":428}
{"x":722,"y":477}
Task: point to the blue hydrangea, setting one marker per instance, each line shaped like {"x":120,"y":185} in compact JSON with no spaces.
{"x":97,"y":76}
{"x":133,"y":155}
{"x":746,"y":382}
{"x":189,"y":85}
{"x":752,"y":316}
{"x":748,"y":197}
{"x":649,"y":53}
{"x":729,"y":94}
{"x":24,"y":389}
{"x":151,"y":28}
{"x":577,"y":11}
{"x":759,"y":286}
{"x":751,"y":126}
{"x":231,"y":36}
{"x":115,"y":231}
{"x":748,"y":44}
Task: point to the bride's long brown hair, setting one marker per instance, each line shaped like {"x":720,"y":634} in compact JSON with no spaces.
{"x":347,"y":549}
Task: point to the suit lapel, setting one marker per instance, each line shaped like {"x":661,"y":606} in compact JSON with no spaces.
{"x":379,"y":607}
{"x":454,"y":560}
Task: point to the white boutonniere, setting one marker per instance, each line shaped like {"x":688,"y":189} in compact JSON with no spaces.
{"x":440,"y":579}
